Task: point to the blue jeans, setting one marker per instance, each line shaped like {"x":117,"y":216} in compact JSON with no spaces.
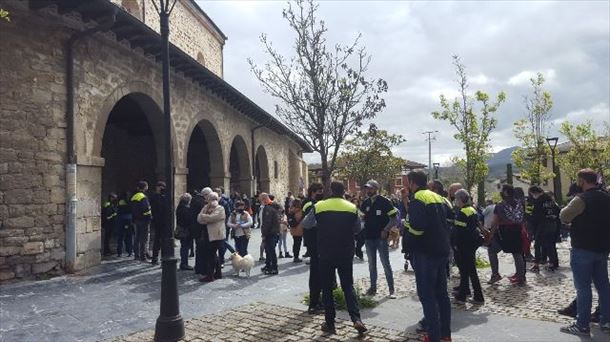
{"x":590,"y":266}
{"x":282,"y":242}
{"x":431,"y":280}
{"x":372,"y":247}
{"x":241,"y":245}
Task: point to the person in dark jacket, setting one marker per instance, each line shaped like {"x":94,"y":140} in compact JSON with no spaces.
{"x":124,"y":227}
{"x":269,"y":220}
{"x":428,"y":241}
{"x":337,"y":222}
{"x":315,"y":193}
{"x":142,"y":216}
{"x":199,"y":232}
{"x":184,"y":220}
{"x":466,"y":240}
{"x":109,"y":220}
{"x":589,"y":216}
{"x":543,"y":218}
{"x":159,"y":204}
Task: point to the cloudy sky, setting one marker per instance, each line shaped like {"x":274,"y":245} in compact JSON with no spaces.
{"x":502,"y":44}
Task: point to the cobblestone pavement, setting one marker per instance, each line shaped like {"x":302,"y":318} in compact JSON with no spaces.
{"x":541,"y":297}
{"x":266,"y":322}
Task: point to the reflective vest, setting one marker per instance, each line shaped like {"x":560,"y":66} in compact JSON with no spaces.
{"x":426,"y":226}
{"x":336,"y":219}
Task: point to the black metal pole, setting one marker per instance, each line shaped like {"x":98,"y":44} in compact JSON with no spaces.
{"x":556,"y":180}
{"x":170,"y":326}
{"x":436,"y":173}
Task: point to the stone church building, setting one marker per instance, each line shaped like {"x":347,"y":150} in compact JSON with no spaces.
{"x":81,"y":116}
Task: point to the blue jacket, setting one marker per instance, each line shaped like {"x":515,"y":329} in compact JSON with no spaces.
{"x":426,"y":225}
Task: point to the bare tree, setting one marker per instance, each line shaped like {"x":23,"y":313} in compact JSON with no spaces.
{"x":324,"y":95}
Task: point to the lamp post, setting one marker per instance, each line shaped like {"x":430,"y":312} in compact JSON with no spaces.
{"x":556,"y":177}
{"x":169,"y":326}
{"x":429,"y":138}
{"x":436,"y":167}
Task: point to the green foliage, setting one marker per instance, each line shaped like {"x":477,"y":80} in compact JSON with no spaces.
{"x":480,"y":262}
{"x":534,"y":151}
{"x":369,"y":155}
{"x":473,"y":126}
{"x":496,"y":197}
{"x":4,"y":15}
{"x":339,"y":297}
{"x":589,"y":150}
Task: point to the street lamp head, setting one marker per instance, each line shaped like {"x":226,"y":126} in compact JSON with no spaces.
{"x":552,"y":142}
{"x":436,"y":165}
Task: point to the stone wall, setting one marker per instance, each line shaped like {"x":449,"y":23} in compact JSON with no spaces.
{"x":32,"y":147}
{"x":189,"y":30}
{"x":33,"y":135}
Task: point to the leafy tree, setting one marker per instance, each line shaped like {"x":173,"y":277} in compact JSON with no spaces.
{"x":531,"y":156}
{"x":473,"y":127}
{"x":323,"y":92}
{"x":588,"y":150}
{"x":369,"y":155}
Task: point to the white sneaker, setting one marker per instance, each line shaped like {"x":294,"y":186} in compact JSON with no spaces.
{"x":392,"y":296}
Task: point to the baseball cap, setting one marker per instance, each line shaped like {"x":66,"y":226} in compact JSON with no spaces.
{"x":372,"y":184}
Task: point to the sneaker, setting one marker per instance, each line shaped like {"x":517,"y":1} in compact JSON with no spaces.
{"x":358,"y":325}
{"x":605,"y":328}
{"x":567,"y":311}
{"x":494,"y":279}
{"x":281,"y":256}
{"x":371,"y":291}
{"x":206,"y":279}
{"x":261,"y":259}
{"x":186,"y":268}
{"x":328,"y":328}
{"x":517,"y":281}
{"x":406,"y":266}
{"x":297,"y":260}
{"x":576,"y":330}
{"x":314,"y":310}
{"x":288,"y":255}
{"x":392,"y":295}
{"x":477,"y":300}
{"x":535,"y":269}
{"x":460,"y":299}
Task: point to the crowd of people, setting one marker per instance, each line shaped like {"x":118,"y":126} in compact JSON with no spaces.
{"x":439,"y":228}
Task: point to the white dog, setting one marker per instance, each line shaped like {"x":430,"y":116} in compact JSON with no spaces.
{"x":242,"y":264}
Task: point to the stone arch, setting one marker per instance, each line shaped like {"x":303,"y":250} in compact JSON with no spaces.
{"x":132,"y":7}
{"x":204,"y":156}
{"x":240,"y":171}
{"x":147,"y":96}
{"x":262,"y":169}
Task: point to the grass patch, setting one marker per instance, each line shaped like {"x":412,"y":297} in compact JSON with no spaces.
{"x":339,"y":297}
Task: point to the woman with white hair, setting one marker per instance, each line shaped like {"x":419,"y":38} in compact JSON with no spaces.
{"x":213,"y":216}
{"x":184,"y":220}
{"x":466,"y":239}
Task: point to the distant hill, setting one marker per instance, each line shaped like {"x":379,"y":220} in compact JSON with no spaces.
{"x":497,"y":162}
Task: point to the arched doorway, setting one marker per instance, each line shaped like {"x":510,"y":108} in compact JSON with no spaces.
{"x":262,"y":170}
{"x":239,"y":167}
{"x":204,"y":157}
{"x":132,"y":144}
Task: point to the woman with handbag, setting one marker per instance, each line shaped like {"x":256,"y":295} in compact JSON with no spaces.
{"x":184,"y":221}
{"x":295,"y":215}
{"x":506,"y":228}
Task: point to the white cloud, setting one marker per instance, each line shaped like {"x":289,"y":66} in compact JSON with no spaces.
{"x":597,"y":114}
{"x":525,"y":76}
{"x":479,"y":79}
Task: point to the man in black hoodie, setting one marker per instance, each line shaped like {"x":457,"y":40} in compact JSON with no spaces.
{"x":160,"y":209}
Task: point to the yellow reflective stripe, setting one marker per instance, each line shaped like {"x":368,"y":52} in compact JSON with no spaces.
{"x":468,"y":211}
{"x":459,"y":223}
{"x":138,"y":197}
{"x":335,"y":204}
{"x":412,"y":230}
{"x":392,"y":212}
{"x":307,"y":205}
{"x":429,"y":197}
{"x":106,"y":205}
{"x":122,"y":202}
{"x":448,"y":202}
{"x":146,"y":213}
{"x":111,"y":216}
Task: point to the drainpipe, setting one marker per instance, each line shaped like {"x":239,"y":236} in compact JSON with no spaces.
{"x":71,"y":179}
{"x":254,"y":159}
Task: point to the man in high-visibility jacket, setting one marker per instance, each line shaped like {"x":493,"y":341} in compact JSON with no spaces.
{"x":109,"y":218}
{"x":428,"y":241}
{"x":142,"y":216}
{"x":337,"y":222}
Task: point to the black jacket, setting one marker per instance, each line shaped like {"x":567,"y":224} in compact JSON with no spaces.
{"x":270,"y":220}
{"x":591,"y":229}
{"x":160,"y":208}
{"x":196,"y":228}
